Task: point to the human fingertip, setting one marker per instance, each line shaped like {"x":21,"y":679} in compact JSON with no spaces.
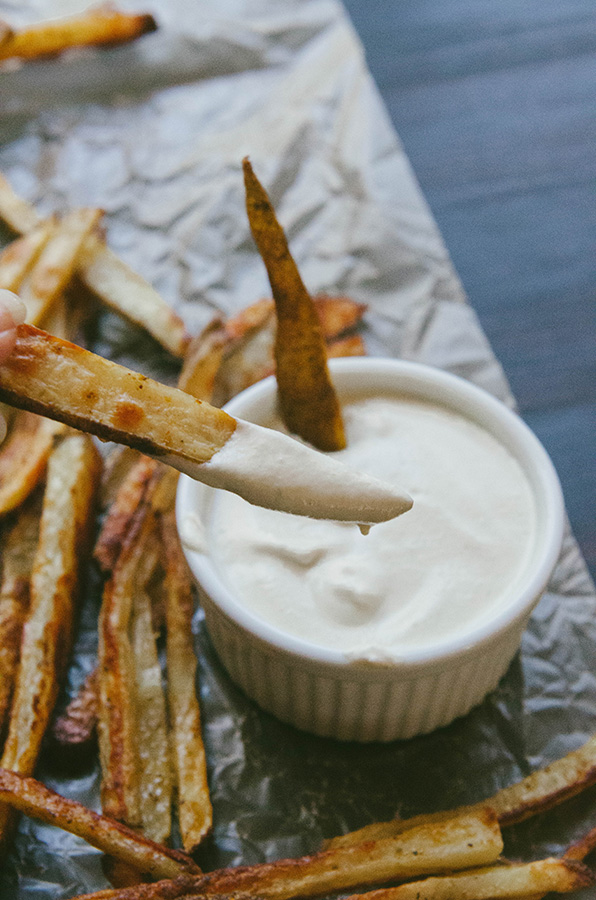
{"x":13,"y":305}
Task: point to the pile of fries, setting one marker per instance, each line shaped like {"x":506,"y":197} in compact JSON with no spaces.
{"x":52,"y":485}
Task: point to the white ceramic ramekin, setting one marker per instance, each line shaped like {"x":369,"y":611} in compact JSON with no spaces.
{"x":317,"y":689}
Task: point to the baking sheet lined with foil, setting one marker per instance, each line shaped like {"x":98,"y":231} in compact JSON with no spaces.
{"x":154,"y":133}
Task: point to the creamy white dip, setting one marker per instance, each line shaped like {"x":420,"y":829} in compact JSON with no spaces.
{"x":411,"y":582}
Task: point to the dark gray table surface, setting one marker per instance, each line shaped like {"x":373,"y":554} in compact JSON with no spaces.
{"x":495,"y":104}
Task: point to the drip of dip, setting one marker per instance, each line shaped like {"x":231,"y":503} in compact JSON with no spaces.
{"x":410,"y":583}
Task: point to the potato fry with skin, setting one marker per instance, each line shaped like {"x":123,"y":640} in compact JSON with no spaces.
{"x":110,"y":279}
{"x":24,"y":456}
{"x":156,"y":780}
{"x":508,"y":881}
{"x":19,"y":546}
{"x":73,"y":734}
{"x":117,"y":722}
{"x":73,"y":472}
{"x":307,"y":399}
{"x":195,"y":812}
{"x":21,"y":255}
{"x":93,"y":28}
{"x":56,"y":263}
{"x":129,"y":294}
{"x":538,"y":792}
{"x":59,"y":379}
{"x":129,"y":496}
{"x":473,"y":840}
{"x":35,"y":800}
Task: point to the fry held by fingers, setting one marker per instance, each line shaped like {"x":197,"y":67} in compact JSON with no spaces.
{"x":62,"y":381}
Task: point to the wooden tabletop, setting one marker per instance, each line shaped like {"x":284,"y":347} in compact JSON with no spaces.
{"x":495,"y":104}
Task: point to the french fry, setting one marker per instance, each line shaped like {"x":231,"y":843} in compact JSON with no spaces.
{"x":19,"y":548}
{"x":6,"y":33}
{"x":127,"y":293}
{"x":93,"y":28}
{"x":203,"y":360}
{"x":538,"y":792}
{"x":21,"y":255}
{"x":56,"y":263}
{"x":73,"y":471}
{"x":522,"y":880}
{"x":307,"y":399}
{"x":118,"y":465}
{"x":229,"y":356}
{"x":104,"y":273}
{"x":194,"y":805}
{"x":34,"y":799}
{"x":473,"y":840}
{"x":19,"y":215}
{"x":73,"y":734}
{"x":24,"y":456}
{"x":155,"y":774}
{"x":117,"y":722}
{"x":129,"y":496}
{"x":61,"y":380}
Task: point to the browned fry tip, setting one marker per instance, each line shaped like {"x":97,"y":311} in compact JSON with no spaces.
{"x":307,"y":399}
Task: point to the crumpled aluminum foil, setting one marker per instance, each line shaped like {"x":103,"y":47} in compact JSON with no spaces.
{"x":154,"y":133}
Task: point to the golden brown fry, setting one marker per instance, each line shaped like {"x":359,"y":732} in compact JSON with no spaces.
{"x":74,"y":732}
{"x":130,"y":495}
{"x":472,"y":840}
{"x":56,"y":263}
{"x":353,"y":345}
{"x":117,"y":722}
{"x":127,"y":293}
{"x":203,"y":360}
{"x":194,"y":804}
{"x":59,"y":379}
{"x":24,"y":456}
{"x":110,"y":279}
{"x":118,"y":465}
{"x":73,"y":472}
{"x":35,"y":800}
{"x":520,"y":880}
{"x":19,"y":215}
{"x":6,"y":32}
{"x":337,"y":314}
{"x":18,"y":258}
{"x":307,"y":399}
{"x":19,"y":547}
{"x":95,"y":27}
{"x":536,"y":793}
{"x":155,"y":772}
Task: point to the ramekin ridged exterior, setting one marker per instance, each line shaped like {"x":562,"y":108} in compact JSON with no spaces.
{"x":319,"y":690}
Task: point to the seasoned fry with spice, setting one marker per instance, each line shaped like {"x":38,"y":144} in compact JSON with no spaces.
{"x":24,"y":457}
{"x":66,"y":519}
{"x":20,"y":256}
{"x":18,"y":552}
{"x":539,"y":791}
{"x":95,"y":27}
{"x":104,"y":273}
{"x":473,"y":840}
{"x":46,"y":280}
{"x":307,"y":399}
{"x":194,"y":804}
{"x":156,"y":779}
{"x":35,"y":800}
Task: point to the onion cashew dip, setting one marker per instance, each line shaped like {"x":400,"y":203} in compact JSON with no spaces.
{"x":411,"y":582}
{"x":390,"y":634}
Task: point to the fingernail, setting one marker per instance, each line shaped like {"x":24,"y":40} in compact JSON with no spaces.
{"x":14,"y":305}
